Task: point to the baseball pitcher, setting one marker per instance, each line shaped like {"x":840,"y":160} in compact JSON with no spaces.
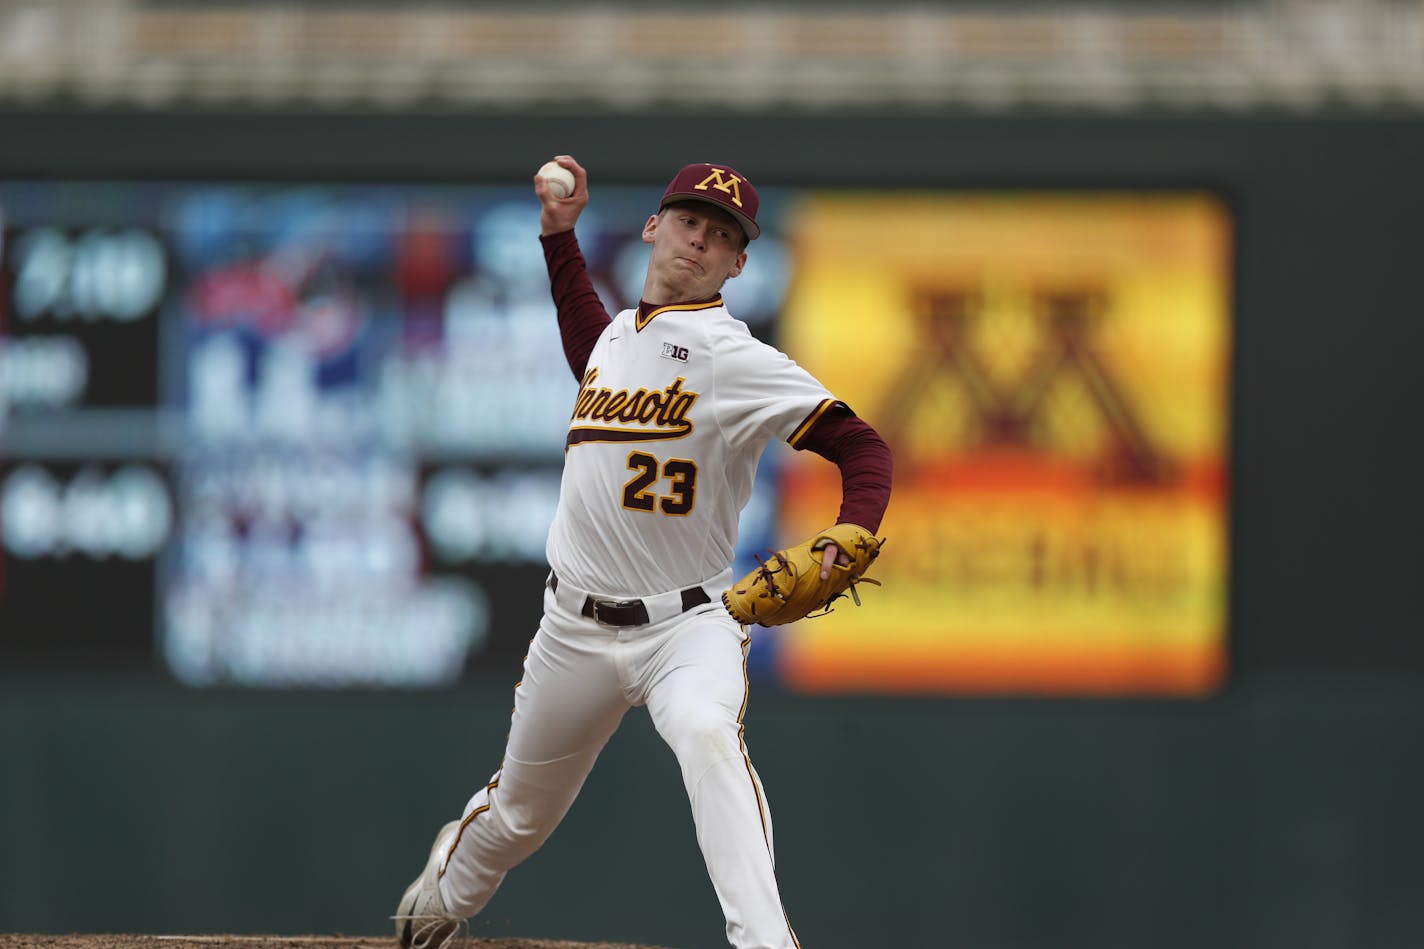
{"x":677,"y":401}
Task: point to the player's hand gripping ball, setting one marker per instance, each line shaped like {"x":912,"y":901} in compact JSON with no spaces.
{"x":559,"y":179}
{"x":788,"y":585}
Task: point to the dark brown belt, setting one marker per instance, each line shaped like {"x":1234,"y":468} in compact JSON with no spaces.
{"x":629,"y":612}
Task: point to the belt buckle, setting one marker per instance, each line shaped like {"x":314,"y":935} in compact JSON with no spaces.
{"x":598,"y":605}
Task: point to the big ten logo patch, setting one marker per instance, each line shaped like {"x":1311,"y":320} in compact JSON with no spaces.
{"x":674,"y":351}
{"x":1025,"y":368}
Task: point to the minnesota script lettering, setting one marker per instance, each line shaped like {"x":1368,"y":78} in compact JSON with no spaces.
{"x":657,"y":413}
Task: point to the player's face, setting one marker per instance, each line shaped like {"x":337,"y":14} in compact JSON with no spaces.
{"x":696,"y":248}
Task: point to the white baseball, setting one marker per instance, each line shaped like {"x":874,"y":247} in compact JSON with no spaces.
{"x":559,"y":179}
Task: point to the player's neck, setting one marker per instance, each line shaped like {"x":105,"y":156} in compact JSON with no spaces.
{"x":660,"y":289}
{"x":646,"y":306}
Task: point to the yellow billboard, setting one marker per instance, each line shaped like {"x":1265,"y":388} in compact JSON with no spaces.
{"x":1052,"y":373}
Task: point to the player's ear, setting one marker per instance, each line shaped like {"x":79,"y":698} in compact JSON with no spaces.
{"x":738,"y":266}
{"x":649,"y":229}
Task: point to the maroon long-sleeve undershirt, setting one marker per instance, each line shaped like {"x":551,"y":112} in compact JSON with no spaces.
{"x":844,"y":438}
{"x":838,"y":435}
{"x":581,"y":314}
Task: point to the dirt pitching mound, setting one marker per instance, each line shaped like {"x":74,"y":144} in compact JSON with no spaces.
{"x":90,"y":941}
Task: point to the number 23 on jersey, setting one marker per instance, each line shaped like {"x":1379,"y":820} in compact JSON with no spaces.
{"x":641,"y":492}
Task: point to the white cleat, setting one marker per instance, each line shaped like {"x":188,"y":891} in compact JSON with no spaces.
{"x":422,"y":921}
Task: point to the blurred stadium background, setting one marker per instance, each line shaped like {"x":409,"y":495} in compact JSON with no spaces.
{"x":1134,"y":288}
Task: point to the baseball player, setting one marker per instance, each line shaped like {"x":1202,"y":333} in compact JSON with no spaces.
{"x":677,"y":401}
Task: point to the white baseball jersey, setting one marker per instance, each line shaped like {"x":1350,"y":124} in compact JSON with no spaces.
{"x":673,"y":414}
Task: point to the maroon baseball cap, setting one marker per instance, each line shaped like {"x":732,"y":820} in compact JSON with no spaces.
{"x":719,"y":185}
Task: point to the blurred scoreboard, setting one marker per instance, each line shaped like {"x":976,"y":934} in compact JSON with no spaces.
{"x":287,"y":435}
{"x":295,"y":435}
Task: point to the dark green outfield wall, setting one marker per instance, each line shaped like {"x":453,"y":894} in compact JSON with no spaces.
{"x":1283,"y":817}
{"x":1284,"y":813}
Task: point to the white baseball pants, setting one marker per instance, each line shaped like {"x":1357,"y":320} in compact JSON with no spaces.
{"x":580,"y":678}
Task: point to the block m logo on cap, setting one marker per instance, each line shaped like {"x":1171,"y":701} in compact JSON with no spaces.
{"x":719,"y":185}
{"x":724,"y":181}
